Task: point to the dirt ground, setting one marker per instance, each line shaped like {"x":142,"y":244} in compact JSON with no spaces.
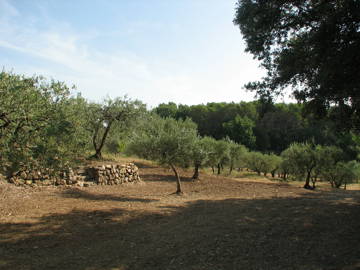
{"x":219,"y":223}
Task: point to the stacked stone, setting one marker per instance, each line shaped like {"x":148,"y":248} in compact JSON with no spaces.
{"x":81,"y":176}
{"x":35,"y":177}
{"x":116,"y":174}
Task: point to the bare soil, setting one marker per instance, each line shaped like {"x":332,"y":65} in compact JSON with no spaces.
{"x":219,"y":223}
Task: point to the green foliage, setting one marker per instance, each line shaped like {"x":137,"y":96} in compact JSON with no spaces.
{"x":39,"y":124}
{"x":220,"y":154}
{"x":277,"y":130}
{"x":200,"y":153}
{"x":201,"y":150}
{"x":102,"y":118}
{"x":341,"y":173}
{"x":310,"y":46}
{"x":332,"y":167}
{"x":240,"y":129}
{"x":166,"y":110}
{"x":165,"y":140}
{"x":301,"y":159}
{"x":274,"y":164}
{"x":258,"y":162}
{"x":237,"y":153}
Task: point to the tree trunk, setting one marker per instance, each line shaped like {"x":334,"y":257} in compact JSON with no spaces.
{"x":178,"y":182}
{"x":213,"y":169}
{"x":273,"y":174}
{"x":231,"y":169}
{"x":97,"y":154}
{"x":219,"y":168}
{"x":313,"y":180}
{"x":196,"y":172}
{"x":307,"y":182}
{"x":99,"y":147}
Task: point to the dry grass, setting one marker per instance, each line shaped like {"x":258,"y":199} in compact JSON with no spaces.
{"x":220,"y":223}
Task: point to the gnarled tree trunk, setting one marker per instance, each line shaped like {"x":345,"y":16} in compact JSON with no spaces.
{"x":196,"y":172}
{"x":99,"y":146}
{"x":178,"y":182}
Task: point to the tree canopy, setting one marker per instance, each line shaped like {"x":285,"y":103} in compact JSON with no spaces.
{"x":167,"y":141}
{"x":310,"y":46}
{"x":40,"y":125}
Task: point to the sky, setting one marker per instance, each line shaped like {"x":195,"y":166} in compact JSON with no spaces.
{"x":157,"y":51}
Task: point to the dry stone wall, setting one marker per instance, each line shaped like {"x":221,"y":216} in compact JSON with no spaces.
{"x":80,"y":176}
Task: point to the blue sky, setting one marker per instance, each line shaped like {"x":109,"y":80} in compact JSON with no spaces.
{"x":185,"y":51}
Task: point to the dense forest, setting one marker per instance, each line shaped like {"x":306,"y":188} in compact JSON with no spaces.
{"x":265,"y":126}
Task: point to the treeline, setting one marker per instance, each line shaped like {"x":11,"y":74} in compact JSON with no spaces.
{"x":43,"y":126}
{"x":264,"y":126}
{"x":176,"y":143}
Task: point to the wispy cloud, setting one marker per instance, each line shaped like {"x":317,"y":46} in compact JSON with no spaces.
{"x":65,"y":54}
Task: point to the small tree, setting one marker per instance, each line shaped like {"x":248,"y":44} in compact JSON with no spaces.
{"x":256,"y":161}
{"x":275,"y":164}
{"x":213,"y":157}
{"x":327,"y":158}
{"x":201,"y":150}
{"x":302,"y":159}
{"x":102,"y":117}
{"x":236,"y":155}
{"x":166,"y":141}
{"x":342,"y":173}
{"x":222,"y":153}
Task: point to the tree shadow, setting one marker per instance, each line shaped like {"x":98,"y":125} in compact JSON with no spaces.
{"x":155,"y":177}
{"x":82,"y":194}
{"x":280,"y":233}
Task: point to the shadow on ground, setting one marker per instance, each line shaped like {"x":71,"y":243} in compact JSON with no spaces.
{"x":154,"y":177}
{"x":311,"y":232}
{"x":83,"y":194}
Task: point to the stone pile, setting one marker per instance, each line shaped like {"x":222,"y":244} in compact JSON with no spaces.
{"x":80,"y":176}
{"x":115,"y":174}
{"x":36,"y":177}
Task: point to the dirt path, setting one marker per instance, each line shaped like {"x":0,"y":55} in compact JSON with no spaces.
{"x":219,"y":223}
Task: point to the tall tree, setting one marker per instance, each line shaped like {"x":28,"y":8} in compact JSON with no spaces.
{"x":240,"y":129}
{"x":311,"y":46}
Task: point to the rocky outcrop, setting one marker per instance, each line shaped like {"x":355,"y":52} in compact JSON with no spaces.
{"x":80,"y":176}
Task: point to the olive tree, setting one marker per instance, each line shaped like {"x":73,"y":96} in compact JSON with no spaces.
{"x":201,"y":151}
{"x":275,"y":164}
{"x":103,"y":117}
{"x":302,"y":159}
{"x":342,"y":173}
{"x":258,"y":162}
{"x":38,"y":126}
{"x":167,"y":141}
{"x":333,"y":168}
{"x":219,"y":154}
{"x":236,"y":155}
